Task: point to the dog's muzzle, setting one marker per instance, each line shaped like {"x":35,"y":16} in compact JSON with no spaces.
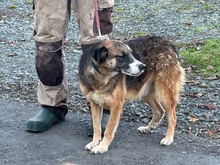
{"x":134,"y":69}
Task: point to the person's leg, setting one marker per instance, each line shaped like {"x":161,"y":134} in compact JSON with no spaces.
{"x":84,"y":14}
{"x":105,"y":9}
{"x":51,"y":22}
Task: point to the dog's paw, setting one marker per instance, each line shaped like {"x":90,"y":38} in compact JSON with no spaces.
{"x":90,"y":146}
{"x":145,"y":129}
{"x":166,"y":141}
{"x":99,"y":149}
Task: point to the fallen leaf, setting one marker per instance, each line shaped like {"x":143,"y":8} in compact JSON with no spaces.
{"x":211,"y":78}
{"x":192,"y":82}
{"x":211,"y":132}
{"x":210,"y":106}
{"x":193,"y":119}
{"x":194,"y":95}
{"x":190,"y":69}
{"x":188,"y":23}
{"x":206,"y":58}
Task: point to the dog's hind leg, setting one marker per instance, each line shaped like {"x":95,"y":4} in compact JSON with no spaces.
{"x":96,"y":119}
{"x":158,"y":114}
{"x":170,"y":103}
{"x":169,"y":96}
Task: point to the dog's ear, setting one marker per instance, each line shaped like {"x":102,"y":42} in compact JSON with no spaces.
{"x":100,"y":54}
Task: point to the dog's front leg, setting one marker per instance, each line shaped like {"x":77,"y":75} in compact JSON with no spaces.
{"x":96,"y":111}
{"x":110,"y":130}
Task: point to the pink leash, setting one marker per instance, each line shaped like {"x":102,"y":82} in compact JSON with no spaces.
{"x":97,"y":17}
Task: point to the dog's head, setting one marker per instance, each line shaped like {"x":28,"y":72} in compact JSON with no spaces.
{"x":116,"y":57}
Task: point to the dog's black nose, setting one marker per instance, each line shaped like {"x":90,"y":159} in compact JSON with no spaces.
{"x":142,"y":66}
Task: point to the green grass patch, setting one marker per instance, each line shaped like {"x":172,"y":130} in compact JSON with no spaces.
{"x":140,"y":34}
{"x":202,"y":28}
{"x":187,"y":7}
{"x":208,"y":7}
{"x":206,"y":59}
{"x":12,"y":7}
{"x":119,"y":10}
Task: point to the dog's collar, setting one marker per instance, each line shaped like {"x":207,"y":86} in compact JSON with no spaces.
{"x":96,"y":68}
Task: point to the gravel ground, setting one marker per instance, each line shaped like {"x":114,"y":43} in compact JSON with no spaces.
{"x":182,"y":21}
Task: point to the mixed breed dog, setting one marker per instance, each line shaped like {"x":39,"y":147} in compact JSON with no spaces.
{"x":112,"y":72}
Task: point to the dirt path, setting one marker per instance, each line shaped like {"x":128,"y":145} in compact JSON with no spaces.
{"x":63,"y":144}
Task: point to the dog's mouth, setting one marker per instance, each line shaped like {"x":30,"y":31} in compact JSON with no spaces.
{"x":132,"y":74}
{"x":134,"y":70}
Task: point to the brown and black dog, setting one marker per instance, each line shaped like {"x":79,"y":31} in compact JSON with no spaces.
{"x":112,"y":72}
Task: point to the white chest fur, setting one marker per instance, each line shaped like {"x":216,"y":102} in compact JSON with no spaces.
{"x":99,"y":98}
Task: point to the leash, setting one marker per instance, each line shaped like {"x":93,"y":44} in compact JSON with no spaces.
{"x":96,"y":15}
{"x":97,"y":18}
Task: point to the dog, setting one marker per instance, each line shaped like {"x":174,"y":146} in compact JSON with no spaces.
{"x":112,"y":72}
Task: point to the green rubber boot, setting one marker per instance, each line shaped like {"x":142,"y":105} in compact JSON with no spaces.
{"x":104,"y":122}
{"x":42,"y":121}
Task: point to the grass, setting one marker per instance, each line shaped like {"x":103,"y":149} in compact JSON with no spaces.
{"x":203,"y":28}
{"x":140,"y":33}
{"x":119,"y":10}
{"x":187,"y":7}
{"x":206,"y":60}
{"x":208,"y":7}
{"x":12,"y":7}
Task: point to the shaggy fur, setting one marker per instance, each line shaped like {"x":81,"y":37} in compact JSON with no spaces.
{"x":112,"y":72}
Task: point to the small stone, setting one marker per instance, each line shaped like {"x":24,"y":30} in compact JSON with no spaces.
{"x":145,"y":120}
{"x":12,"y":54}
{"x":138,"y":113}
{"x":206,"y":116}
{"x":215,"y":120}
{"x":209,"y":67}
{"x":203,"y":85}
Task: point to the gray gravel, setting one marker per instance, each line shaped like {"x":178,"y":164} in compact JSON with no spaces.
{"x":180,"y":21}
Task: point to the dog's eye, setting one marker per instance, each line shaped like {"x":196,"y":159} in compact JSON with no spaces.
{"x":122,"y":58}
{"x":119,"y":57}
